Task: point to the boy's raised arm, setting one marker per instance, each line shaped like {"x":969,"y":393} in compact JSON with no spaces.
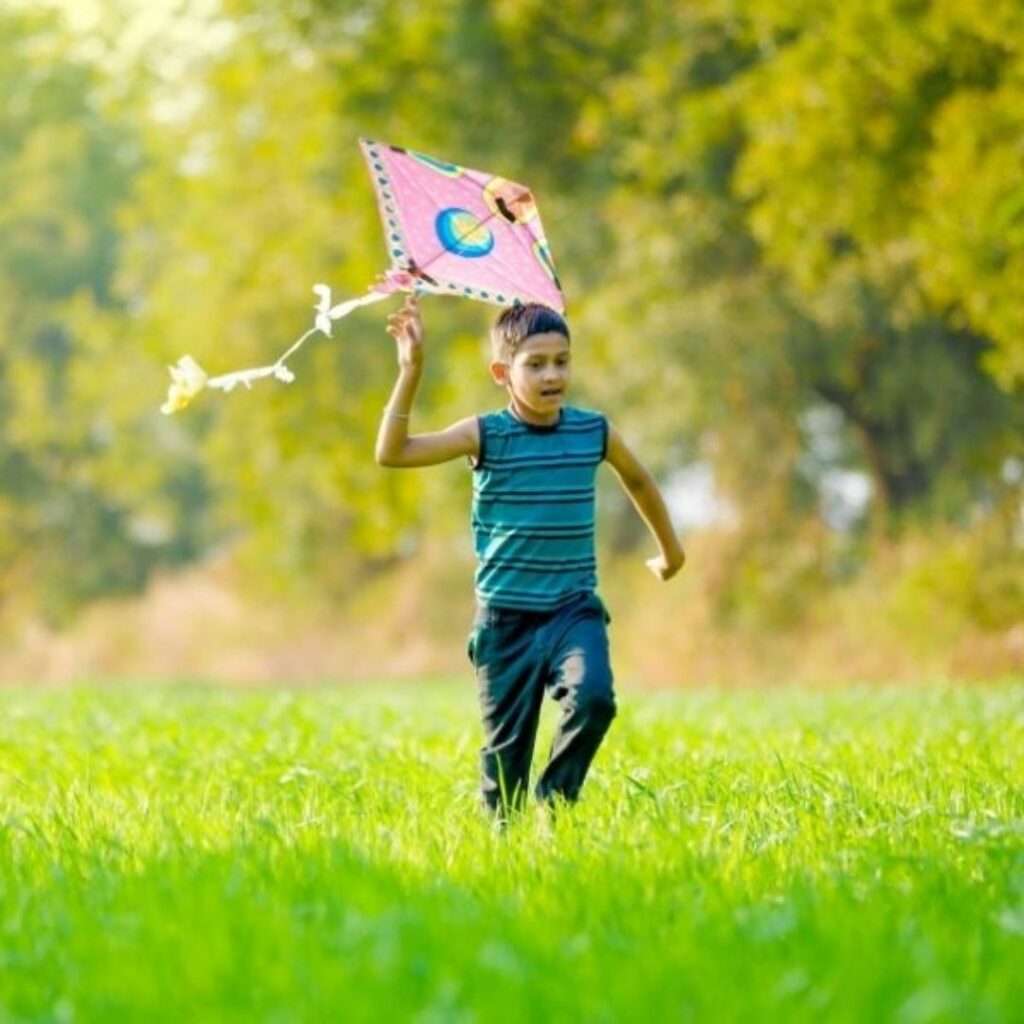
{"x":643,"y":492}
{"x":394,"y":445}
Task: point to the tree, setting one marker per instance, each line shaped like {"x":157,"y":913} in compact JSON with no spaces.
{"x":84,"y":513}
{"x":780,"y":154}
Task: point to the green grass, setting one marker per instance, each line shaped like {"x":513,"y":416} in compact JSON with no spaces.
{"x":202,"y":855}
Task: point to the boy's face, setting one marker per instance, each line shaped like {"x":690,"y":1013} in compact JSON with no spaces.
{"x":538,"y":377}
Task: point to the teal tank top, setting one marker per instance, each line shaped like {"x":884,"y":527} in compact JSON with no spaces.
{"x":533,"y":509}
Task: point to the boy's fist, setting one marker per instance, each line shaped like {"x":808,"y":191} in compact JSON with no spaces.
{"x":665,"y":568}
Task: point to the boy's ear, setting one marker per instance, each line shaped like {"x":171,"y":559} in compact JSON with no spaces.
{"x":499,"y":374}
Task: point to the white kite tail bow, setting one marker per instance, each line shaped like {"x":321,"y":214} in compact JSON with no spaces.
{"x":188,"y":378}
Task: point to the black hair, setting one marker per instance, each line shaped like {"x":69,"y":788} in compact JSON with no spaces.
{"x":517,"y":323}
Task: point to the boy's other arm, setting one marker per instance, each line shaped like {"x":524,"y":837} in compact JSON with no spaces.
{"x":394,"y":445}
{"x":643,"y":492}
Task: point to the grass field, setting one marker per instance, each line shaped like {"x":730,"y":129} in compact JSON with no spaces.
{"x":186,"y":854}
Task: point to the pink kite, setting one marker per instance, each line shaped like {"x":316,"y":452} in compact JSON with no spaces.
{"x":449,"y":230}
{"x":454,"y":231}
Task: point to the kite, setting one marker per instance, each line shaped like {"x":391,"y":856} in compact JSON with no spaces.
{"x":449,"y":230}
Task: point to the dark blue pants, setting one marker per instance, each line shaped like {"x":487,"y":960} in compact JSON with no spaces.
{"x":519,"y":655}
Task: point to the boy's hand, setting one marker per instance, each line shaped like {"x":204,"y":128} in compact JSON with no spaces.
{"x":665,"y":568}
{"x":406,"y":327}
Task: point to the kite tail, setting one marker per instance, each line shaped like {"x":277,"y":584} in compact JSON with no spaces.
{"x":188,"y":378}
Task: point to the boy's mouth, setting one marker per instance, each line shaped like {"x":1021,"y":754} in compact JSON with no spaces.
{"x":550,"y":392}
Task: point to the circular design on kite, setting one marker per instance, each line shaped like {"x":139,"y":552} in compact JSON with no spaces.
{"x":461,"y":233}
{"x":448,"y":170}
{"x":513,"y":203}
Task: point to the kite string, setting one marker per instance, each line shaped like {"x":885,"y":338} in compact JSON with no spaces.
{"x":227,"y":381}
{"x":295,"y":347}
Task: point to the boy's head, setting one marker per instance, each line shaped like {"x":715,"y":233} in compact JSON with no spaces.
{"x":517,"y":323}
{"x":530,"y":358}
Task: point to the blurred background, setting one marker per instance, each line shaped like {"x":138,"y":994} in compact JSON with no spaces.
{"x":791,"y":237}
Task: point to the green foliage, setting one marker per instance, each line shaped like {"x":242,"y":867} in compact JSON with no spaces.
{"x":195,"y":854}
{"x":981,"y":587}
{"x":88,"y":500}
{"x":802,"y":137}
{"x":853,"y":178}
{"x":850,"y":122}
{"x":756,"y":209}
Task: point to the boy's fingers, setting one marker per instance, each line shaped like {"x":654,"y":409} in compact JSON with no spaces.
{"x":658,"y":567}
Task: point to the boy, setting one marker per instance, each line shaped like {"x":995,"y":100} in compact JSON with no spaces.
{"x":539,"y":623}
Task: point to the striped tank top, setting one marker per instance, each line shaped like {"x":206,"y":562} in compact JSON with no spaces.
{"x":533,"y":509}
